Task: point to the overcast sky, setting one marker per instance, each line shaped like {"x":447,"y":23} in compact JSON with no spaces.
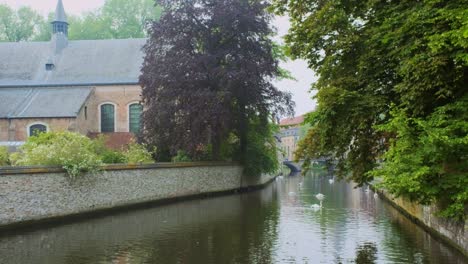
{"x":298,"y":68}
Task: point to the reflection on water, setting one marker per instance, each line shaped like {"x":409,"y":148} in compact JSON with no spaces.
{"x":366,"y":253}
{"x":275,"y":225}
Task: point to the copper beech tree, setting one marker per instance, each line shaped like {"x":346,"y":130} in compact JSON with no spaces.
{"x":207,"y":77}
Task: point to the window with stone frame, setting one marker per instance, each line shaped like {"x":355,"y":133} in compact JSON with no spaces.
{"x":107,"y":118}
{"x":134,"y":112}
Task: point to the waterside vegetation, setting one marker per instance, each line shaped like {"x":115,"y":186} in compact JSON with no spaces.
{"x":392,"y":93}
{"x":75,"y":153}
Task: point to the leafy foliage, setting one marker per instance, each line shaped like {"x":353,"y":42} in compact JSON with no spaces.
{"x":73,"y":152}
{"x":262,"y":152}
{"x":138,"y":154}
{"x":371,"y":55}
{"x":134,"y":153}
{"x":116,"y":19}
{"x":19,"y":25}
{"x":427,"y":159}
{"x":4,"y":156}
{"x":108,"y":156}
{"x":181,"y":157}
{"x":113,"y":157}
{"x":76,"y":153}
{"x":219,"y":62}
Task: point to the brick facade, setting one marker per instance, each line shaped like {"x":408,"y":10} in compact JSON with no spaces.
{"x":87,"y":121}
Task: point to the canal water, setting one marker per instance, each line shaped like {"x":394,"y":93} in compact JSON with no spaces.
{"x":277,"y":224}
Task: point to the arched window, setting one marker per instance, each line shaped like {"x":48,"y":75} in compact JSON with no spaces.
{"x":36,"y":129}
{"x":107,"y":118}
{"x":134,"y":117}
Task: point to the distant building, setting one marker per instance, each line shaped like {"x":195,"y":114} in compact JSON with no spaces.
{"x":86,"y":86}
{"x":289,"y":135}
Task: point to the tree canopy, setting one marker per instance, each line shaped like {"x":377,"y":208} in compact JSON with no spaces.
{"x":389,"y":71}
{"x":116,"y":19}
{"x":19,"y":25}
{"x":207,"y":79}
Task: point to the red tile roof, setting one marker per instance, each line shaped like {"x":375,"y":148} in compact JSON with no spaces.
{"x":292,"y":121}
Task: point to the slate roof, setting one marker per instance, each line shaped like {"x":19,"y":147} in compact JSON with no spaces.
{"x":43,"y":102}
{"x":82,"y":62}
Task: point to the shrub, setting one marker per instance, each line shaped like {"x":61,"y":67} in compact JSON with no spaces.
{"x":4,"y":157}
{"x":73,"y":152}
{"x":181,"y":157}
{"x":137,"y":154}
{"x":113,"y":157}
{"x":108,"y":156}
{"x":427,"y":160}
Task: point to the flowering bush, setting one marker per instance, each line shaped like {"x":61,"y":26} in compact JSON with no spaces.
{"x":73,"y":152}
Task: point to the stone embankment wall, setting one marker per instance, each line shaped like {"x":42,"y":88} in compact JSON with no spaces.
{"x":455,"y":233}
{"x":28,"y":195}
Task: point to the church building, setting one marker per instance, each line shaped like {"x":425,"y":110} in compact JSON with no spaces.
{"x":85,"y":86}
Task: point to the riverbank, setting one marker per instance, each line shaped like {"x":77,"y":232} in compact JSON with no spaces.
{"x":275,"y":224}
{"x":451,"y":232}
{"x":35,"y":195}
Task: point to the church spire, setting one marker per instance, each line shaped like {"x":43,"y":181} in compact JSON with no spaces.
{"x":60,"y":24}
{"x":60,"y":29}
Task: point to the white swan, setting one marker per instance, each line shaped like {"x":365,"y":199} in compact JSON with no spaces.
{"x":316,"y":207}
{"x":320,"y":197}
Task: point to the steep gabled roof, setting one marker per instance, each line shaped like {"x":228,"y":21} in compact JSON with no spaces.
{"x":44,"y":102}
{"x":292,"y":121}
{"x":83,"y":62}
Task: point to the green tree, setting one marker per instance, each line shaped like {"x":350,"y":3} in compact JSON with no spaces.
{"x":117,"y":19}
{"x":89,"y":26}
{"x":370,"y":55}
{"x":220,"y":61}
{"x":428,"y":158}
{"x":19,"y":25}
{"x":129,"y":18}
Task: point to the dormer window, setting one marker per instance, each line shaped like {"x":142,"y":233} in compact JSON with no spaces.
{"x":49,"y":66}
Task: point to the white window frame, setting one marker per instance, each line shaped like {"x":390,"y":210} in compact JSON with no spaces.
{"x":36,"y":123}
{"x":115,"y":116}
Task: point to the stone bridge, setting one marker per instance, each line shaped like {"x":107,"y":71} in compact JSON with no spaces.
{"x":294,"y":167}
